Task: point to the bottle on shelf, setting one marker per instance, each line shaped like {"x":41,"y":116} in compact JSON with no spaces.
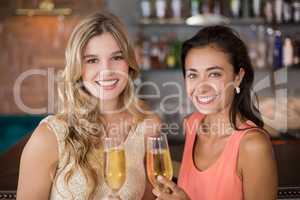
{"x":246,"y":9}
{"x":270,"y":47}
{"x":287,"y":11}
{"x":176,"y":9}
{"x":288,"y":54}
{"x":252,"y":44}
{"x":278,"y":11}
{"x":235,"y":7}
{"x":160,"y":8}
{"x":162,"y":46}
{"x":145,"y":61}
{"x":217,"y":8}
{"x":261,"y":47}
{"x":277,"y":53}
{"x":145,"y":9}
{"x":296,"y":60}
{"x":257,"y":8}
{"x":195,"y":6}
{"x":154,"y":52}
{"x":205,"y":7}
{"x":296,"y":9}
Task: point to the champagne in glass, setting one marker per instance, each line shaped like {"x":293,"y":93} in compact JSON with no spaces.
{"x":114,"y":164}
{"x":158,"y":159}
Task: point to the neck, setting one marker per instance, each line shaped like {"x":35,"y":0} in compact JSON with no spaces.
{"x":218,"y":124}
{"x":109,"y":107}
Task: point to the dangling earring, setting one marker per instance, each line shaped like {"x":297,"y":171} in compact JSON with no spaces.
{"x":237,"y":89}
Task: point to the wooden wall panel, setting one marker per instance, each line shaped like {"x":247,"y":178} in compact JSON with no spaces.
{"x":37,"y":42}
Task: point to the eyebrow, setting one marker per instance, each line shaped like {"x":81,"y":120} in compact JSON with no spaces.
{"x":214,"y":67}
{"x":89,"y":56}
{"x":94,"y":55}
{"x":208,"y":69}
{"x":117,"y":52}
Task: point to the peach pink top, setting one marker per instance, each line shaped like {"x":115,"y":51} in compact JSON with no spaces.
{"x":220,"y":181}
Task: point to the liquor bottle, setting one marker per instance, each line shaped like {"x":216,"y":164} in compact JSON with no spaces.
{"x":246,"y":8}
{"x":277,"y":55}
{"x":278,"y":10}
{"x":171,"y":56}
{"x":146,"y":60}
{"x":287,"y":11}
{"x":195,"y":7}
{"x":257,"y":5}
{"x":206,"y":7}
{"x":154,"y":53}
{"x":235,"y":7}
{"x":270,"y":46}
{"x":162,"y":46}
{"x":146,"y":8}
{"x":269,"y":11}
{"x":261,"y":48}
{"x":217,"y":8}
{"x":296,"y":8}
{"x":288,"y":54}
{"x":225,"y":8}
{"x":176,"y":8}
{"x":160,"y":8}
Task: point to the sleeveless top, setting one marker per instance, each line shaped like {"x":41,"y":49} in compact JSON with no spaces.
{"x":220,"y":180}
{"x":134,"y":186}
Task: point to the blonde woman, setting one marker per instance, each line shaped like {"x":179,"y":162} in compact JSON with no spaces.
{"x":63,"y":158}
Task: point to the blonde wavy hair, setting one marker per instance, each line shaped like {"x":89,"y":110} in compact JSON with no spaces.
{"x":79,"y":109}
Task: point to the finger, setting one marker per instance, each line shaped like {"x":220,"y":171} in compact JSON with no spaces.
{"x":156,"y":192}
{"x":165,"y":196}
{"x":168,"y":183}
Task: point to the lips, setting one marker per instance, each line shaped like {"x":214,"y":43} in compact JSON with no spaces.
{"x":107,"y":83}
{"x":206,"y":99}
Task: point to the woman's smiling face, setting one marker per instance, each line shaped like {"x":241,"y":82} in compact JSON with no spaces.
{"x":105,"y":71}
{"x":210,"y":79}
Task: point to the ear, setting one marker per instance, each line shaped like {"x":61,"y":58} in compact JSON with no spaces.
{"x":239,"y":77}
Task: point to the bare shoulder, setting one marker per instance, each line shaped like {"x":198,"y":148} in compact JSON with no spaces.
{"x":38,"y":163}
{"x":255,"y":147}
{"x":152,"y":125}
{"x":256,"y":141}
{"x":42,"y":144}
{"x":257,"y":166}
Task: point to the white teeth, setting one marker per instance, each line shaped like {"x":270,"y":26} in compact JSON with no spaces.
{"x":105,"y":83}
{"x":206,"y":98}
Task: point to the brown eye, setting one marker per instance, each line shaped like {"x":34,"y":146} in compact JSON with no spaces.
{"x":92,"y":60}
{"x":215,"y":74}
{"x":118,"y":58}
{"x":191,"y":76}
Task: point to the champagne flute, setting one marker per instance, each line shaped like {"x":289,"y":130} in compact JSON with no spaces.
{"x":158,"y":159}
{"x":114,"y":164}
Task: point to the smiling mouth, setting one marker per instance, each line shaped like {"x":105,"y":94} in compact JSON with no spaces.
{"x":206,"y":99}
{"x":107,"y":83}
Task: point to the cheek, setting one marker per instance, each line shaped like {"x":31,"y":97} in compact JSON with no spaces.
{"x":189,"y":85}
{"x":123,"y":71}
{"x":88,"y":73}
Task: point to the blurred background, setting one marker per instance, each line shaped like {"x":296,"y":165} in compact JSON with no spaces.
{"x":33,"y":37}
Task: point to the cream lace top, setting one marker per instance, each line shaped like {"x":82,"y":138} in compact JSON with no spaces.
{"x":135,"y":183}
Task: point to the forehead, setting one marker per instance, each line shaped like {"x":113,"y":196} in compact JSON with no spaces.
{"x":205,"y":57}
{"x":102,"y":44}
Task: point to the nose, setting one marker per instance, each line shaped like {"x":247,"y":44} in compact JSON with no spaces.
{"x":104,"y":69}
{"x":204,"y":87}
